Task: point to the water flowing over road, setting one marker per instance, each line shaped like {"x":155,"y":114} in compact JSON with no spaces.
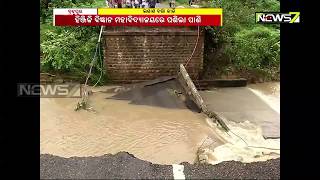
{"x":150,"y":132}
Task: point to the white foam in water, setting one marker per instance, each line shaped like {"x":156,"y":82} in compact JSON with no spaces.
{"x":236,"y":149}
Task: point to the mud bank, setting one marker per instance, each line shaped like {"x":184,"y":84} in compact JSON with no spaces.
{"x":125,"y":166}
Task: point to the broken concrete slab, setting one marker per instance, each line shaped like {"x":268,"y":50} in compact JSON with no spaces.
{"x":163,"y":92}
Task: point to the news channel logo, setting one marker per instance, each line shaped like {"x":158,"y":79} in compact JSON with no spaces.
{"x":70,"y":90}
{"x":277,"y":18}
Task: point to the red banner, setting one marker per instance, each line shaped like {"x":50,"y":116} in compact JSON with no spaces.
{"x":137,"y":20}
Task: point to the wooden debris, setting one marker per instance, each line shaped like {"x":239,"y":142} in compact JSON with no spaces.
{"x":83,"y":104}
{"x":194,"y":95}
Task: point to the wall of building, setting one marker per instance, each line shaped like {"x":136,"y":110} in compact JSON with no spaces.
{"x":137,"y":54}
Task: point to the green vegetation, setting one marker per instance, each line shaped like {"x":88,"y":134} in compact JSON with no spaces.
{"x":70,"y":50}
{"x":256,"y":49}
{"x":241,"y":46}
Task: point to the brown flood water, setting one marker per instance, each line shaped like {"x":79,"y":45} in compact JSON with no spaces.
{"x":159,"y":135}
{"x":156,"y":134}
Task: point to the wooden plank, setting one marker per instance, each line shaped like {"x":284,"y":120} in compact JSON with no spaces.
{"x":192,"y":92}
{"x":190,"y":88}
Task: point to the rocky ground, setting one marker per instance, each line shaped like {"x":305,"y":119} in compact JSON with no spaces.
{"x":125,"y":166}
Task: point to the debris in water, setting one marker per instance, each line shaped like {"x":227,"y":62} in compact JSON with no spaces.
{"x":83,"y":104}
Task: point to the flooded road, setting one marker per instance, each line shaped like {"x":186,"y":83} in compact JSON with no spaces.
{"x":257,"y":103}
{"x":269,"y":92}
{"x":156,"y":134}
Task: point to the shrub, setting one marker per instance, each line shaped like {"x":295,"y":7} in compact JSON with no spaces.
{"x":71,"y":50}
{"x":256,"y":49}
{"x":242,"y":44}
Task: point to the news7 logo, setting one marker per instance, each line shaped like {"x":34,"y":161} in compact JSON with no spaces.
{"x":271,"y":17}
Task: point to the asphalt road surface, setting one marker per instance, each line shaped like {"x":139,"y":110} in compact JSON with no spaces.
{"x":125,"y":166}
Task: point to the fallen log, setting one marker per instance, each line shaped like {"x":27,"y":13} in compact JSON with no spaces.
{"x":192,"y":92}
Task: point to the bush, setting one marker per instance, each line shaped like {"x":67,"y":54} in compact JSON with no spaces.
{"x":71,"y":50}
{"x":240,"y":43}
{"x":256,"y":49}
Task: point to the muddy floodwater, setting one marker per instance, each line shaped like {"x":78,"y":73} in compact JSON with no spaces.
{"x":156,"y":134}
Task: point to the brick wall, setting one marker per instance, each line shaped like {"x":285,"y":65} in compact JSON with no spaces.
{"x":136,"y":54}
